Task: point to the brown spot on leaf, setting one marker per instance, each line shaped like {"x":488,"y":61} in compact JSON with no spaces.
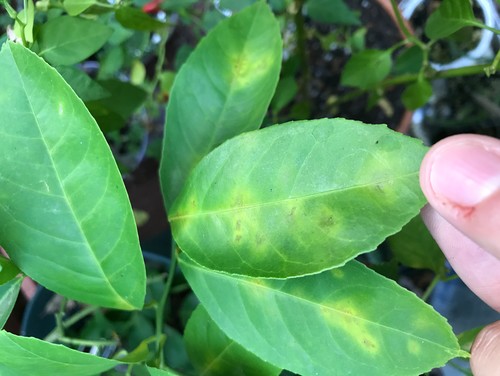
{"x":327,"y":221}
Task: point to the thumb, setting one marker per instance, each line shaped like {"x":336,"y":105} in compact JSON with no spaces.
{"x":460,"y":177}
{"x":485,"y":352}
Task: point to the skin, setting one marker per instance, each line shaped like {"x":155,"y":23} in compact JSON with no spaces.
{"x":460,"y":177}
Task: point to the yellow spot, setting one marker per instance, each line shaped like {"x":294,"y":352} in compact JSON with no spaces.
{"x":60,"y":109}
{"x":343,"y":315}
{"x":247,"y":68}
{"x":413,"y":347}
{"x":337,"y":273}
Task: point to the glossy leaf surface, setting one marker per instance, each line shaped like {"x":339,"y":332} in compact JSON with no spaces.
{"x":66,"y":218}
{"x":222,"y":90}
{"x":366,"y":69}
{"x":8,"y":296}
{"x":451,"y":16}
{"x":21,"y":356}
{"x":68,"y":40}
{"x":340,"y":322}
{"x":215,"y":354}
{"x":298,"y":198}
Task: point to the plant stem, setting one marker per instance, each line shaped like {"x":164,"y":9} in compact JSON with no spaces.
{"x":492,"y":29}
{"x":409,"y":78}
{"x":55,"y":334}
{"x":160,"y":310}
{"x":431,"y":287}
{"x":84,"y":342}
{"x":59,"y":315}
{"x":493,"y":67}
{"x":302,"y":49}
{"x":399,"y":18}
{"x":160,"y":60}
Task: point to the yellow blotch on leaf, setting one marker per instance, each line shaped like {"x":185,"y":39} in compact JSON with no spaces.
{"x":346,"y":317}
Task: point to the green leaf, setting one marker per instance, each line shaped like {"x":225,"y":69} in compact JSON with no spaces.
{"x":467,"y":338}
{"x":29,"y":21}
{"x":136,"y":19}
{"x":176,"y":5}
{"x":141,"y":370}
{"x":111,"y":62}
{"x":348,"y":320}
{"x":285,"y":92}
{"x":8,"y":270}
{"x":75,"y":7}
{"x":113,"y":111}
{"x":451,"y":16}
{"x":213,"y":353}
{"x":409,"y":61}
{"x":417,"y":94}
{"x":235,"y":5}
{"x":66,"y":218}
{"x":21,"y":356}
{"x":10,"y":11}
{"x":415,"y":247}
{"x":143,"y":352}
{"x":68,"y":40}
{"x":366,"y":69}
{"x":298,"y":198}
{"x":223,"y":89}
{"x":331,"y":11}
{"x":8,"y":296}
{"x":85,"y":87}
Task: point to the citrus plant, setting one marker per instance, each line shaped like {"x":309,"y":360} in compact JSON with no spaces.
{"x":267,"y":223}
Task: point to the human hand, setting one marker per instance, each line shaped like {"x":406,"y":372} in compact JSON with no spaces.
{"x":460,"y":176}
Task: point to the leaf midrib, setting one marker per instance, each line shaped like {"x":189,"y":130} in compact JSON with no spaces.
{"x":288,"y":199}
{"x":316,"y":305}
{"x":63,"y":190}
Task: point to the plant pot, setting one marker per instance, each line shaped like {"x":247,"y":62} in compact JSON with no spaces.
{"x":481,"y":50}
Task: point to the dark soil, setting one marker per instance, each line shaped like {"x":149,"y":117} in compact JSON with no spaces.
{"x":326,"y":69}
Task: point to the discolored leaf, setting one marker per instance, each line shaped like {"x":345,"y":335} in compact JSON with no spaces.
{"x":348,"y":320}
{"x":451,"y":16}
{"x":222,"y":90}
{"x":366,"y":69}
{"x":298,"y":198}
{"x":214,"y":354}
{"x":20,"y":356}
{"x":8,"y":296}
{"x":66,"y":218}
{"x":331,"y":11}
{"x":68,"y":40}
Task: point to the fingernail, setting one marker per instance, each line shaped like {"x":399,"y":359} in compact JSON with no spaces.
{"x":465,"y":174}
